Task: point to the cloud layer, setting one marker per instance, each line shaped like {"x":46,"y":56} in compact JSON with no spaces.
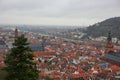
{"x":57,"y":12}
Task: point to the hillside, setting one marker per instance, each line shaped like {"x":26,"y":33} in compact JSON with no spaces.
{"x":102,"y":28}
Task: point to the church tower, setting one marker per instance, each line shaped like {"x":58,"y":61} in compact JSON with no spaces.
{"x":43,"y":43}
{"x":109,"y":45}
{"x":16,"y":34}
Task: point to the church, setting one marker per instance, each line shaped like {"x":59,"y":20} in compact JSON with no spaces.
{"x":111,"y":56}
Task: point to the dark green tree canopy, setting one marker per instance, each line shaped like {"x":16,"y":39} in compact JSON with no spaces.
{"x":19,"y":62}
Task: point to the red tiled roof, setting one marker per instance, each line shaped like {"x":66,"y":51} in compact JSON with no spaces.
{"x":115,"y":67}
{"x":44,"y":53}
{"x":42,"y":73}
{"x":1,"y":59}
{"x":79,"y":75}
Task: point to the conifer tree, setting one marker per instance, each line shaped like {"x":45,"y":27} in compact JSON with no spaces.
{"x":19,"y":62}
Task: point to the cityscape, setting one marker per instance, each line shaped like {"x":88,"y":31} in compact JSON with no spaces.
{"x":37,"y":43}
{"x":63,"y":58}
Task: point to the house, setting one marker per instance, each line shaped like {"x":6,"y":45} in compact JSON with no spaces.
{"x":112,"y":57}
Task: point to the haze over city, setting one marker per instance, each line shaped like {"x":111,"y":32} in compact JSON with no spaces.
{"x":57,"y":12}
{"x":59,"y":39}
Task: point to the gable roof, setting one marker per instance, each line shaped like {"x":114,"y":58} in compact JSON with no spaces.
{"x":113,"y":56}
{"x":2,"y":42}
{"x":36,"y":47}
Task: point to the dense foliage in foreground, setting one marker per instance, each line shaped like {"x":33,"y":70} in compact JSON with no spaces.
{"x":19,"y":62}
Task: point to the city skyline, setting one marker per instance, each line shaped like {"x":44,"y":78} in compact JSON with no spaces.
{"x":57,"y":12}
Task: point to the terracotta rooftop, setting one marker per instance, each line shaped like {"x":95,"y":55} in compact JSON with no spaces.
{"x":44,"y":53}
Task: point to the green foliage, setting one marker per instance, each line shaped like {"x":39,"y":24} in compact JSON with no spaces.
{"x":48,"y":78}
{"x":102,"y":28}
{"x":19,"y":63}
{"x":2,"y":74}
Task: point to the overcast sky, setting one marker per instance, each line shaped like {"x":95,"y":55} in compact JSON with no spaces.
{"x":57,"y":12}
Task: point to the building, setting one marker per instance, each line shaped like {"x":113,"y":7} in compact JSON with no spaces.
{"x":109,"y":45}
{"x":16,"y":34}
{"x":112,"y":57}
{"x":36,"y":47}
{"x":3,"y":47}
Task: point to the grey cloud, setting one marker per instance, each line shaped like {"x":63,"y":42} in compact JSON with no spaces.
{"x":66,"y":9}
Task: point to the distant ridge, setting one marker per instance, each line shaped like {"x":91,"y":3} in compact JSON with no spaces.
{"x":102,"y":28}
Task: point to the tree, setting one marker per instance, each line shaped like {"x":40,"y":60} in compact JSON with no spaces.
{"x":19,"y":62}
{"x":48,"y":78}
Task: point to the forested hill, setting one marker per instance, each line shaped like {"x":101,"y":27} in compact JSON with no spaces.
{"x":102,"y":28}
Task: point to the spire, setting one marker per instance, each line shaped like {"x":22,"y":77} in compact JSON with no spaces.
{"x":109,"y":45}
{"x":109,"y":37}
{"x":43,"y":43}
{"x":109,"y":41}
{"x":16,"y":34}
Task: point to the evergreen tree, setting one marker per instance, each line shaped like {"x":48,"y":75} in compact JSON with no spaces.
{"x":19,"y":62}
{"x":48,"y":78}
